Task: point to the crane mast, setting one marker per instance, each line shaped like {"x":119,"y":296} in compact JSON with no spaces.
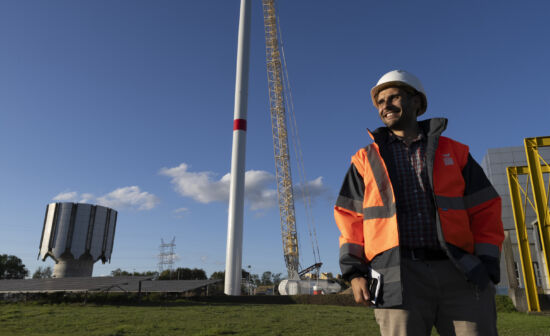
{"x":280,"y":141}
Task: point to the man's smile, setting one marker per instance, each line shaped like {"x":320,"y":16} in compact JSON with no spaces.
{"x":391,"y":115}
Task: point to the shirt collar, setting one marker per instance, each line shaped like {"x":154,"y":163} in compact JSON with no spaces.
{"x":392,"y":137}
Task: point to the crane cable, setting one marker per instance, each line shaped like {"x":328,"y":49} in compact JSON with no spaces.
{"x":297,"y":149}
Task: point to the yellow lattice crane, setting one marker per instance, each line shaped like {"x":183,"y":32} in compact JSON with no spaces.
{"x":280,"y":141}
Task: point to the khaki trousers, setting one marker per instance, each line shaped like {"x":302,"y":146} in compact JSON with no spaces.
{"x":436,"y":293}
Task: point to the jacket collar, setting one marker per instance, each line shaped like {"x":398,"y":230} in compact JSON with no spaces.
{"x":430,"y":127}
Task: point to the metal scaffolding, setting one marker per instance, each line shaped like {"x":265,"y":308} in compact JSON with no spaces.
{"x":534,"y":170}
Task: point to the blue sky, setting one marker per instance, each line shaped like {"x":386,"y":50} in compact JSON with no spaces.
{"x":130,"y":104}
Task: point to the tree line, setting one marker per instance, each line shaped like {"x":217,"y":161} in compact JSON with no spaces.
{"x":11,"y":267}
{"x":184,"y":273}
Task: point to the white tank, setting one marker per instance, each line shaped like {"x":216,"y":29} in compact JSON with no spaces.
{"x":308,"y":287}
{"x":75,"y":236}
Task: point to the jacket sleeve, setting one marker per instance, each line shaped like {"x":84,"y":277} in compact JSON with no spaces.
{"x":348,"y":214}
{"x":484,"y":209}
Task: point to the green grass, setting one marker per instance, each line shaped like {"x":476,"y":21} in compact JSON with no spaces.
{"x":191,"y":319}
{"x":203,"y":318}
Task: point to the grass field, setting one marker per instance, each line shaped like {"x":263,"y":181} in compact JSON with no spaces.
{"x":203,"y":318}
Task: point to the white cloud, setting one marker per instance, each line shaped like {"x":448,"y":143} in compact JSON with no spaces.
{"x":129,"y":197}
{"x":260,"y":189}
{"x":257,"y":189}
{"x":126,"y":197}
{"x":87,"y":198}
{"x":68,"y":196}
{"x":179,"y":213}
{"x":180,"y":210}
{"x":198,"y":186}
{"x":313,"y":189}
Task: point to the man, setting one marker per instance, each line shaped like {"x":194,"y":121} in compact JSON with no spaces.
{"x":417,"y":208}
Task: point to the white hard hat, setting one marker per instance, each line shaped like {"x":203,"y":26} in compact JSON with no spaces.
{"x":397,"y":78}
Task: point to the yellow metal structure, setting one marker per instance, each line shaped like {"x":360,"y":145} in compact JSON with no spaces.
{"x":522,"y":237}
{"x":280,"y":141}
{"x":534,"y":170}
{"x":539,"y":194}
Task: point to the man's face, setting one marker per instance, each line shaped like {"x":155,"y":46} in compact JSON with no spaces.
{"x":397,"y":108}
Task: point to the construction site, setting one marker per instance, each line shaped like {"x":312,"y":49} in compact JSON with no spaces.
{"x":77,"y":235}
{"x":79,"y":231}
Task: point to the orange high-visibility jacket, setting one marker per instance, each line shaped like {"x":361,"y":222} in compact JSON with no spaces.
{"x":468,"y":217}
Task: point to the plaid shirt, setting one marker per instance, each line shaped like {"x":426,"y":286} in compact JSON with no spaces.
{"x":414,"y":200}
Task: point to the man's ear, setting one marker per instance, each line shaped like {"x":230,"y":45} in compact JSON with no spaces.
{"x":417,"y":103}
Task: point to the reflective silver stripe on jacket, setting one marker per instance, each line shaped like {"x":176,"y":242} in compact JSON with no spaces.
{"x":388,"y":209}
{"x":466,"y":202}
{"x":350,"y":204}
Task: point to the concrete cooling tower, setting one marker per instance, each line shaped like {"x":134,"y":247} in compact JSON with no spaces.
{"x":76,"y":235}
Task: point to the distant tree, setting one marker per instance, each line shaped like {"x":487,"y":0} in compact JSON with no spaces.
{"x":42,"y":273}
{"x":266,"y":278}
{"x":146,"y":273}
{"x":183,"y":274}
{"x":198,"y":274}
{"x":220,"y":275}
{"x":165,"y":275}
{"x":276,"y":278}
{"x":255,"y":279}
{"x":119,"y":272}
{"x":12,"y":267}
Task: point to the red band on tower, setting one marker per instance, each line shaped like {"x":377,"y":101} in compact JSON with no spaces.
{"x":239,"y":124}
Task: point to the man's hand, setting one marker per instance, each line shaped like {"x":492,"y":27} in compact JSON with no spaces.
{"x":360,"y":291}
